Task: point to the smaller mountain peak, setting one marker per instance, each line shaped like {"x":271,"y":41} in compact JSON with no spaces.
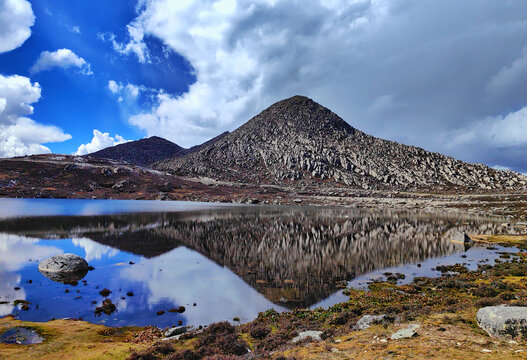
{"x":155,"y":138}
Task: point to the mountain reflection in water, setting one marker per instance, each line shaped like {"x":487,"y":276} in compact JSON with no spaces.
{"x":292,"y":257}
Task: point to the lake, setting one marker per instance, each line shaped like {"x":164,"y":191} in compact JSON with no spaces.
{"x":219,"y":261}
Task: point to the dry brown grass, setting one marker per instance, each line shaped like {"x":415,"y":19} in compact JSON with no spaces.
{"x":67,"y":339}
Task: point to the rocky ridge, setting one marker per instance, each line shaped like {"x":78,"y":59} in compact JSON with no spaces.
{"x":143,"y":152}
{"x":297,"y":141}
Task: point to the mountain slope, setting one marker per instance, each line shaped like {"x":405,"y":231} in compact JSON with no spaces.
{"x":141,"y":152}
{"x":299,"y":141}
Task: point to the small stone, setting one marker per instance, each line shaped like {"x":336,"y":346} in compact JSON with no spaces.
{"x":105,"y":292}
{"x":486,"y":350}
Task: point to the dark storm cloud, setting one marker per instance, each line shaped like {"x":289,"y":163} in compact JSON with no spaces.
{"x":449,"y":76}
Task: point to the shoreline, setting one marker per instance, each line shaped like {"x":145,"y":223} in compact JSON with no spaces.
{"x":66,"y":177}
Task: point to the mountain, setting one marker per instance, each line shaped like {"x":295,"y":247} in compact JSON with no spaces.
{"x":297,"y":141}
{"x":142,"y":152}
{"x":146,"y":152}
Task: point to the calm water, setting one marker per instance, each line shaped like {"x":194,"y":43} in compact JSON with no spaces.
{"x":230,"y":261}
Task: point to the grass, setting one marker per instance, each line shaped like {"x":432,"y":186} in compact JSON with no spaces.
{"x":69,"y":339}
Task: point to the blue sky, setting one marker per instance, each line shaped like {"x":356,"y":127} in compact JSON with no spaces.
{"x":78,"y":103}
{"x":448,"y":76}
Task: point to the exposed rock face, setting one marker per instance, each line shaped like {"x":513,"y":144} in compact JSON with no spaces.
{"x":64,"y":268}
{"x":299,"y":141}
{"x":141,"y":152}
{"x":503,"y":321}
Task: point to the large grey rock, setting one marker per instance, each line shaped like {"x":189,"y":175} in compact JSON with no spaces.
{"x":366,"y":321}
{"x":503,"y":321}
{"x":409,"y":332}
{"x":64,"y":268}
{"x":315,"y":335}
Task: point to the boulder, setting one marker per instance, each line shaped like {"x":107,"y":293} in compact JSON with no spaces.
{"x":64,"y":268}
{"x":410,"y":331}
{"x":315,"y":335}
{"x":366,"y":321}
{"x":178,"y":330}
{"x":503,"y":321}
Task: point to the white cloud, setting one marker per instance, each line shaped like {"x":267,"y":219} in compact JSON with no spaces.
{"x":499,"y":131}
{"x":16,"y":20}
{"x":99,"y":141}
{"x":75,"y":29}
{"x":113,"y":86}
{"x":94,"y":250}
{"x":128,"y":91}
{"x":63,"y":58}
{"x":20,"y":135}
{"x":240,"y":300}
{"x":135,"y":45}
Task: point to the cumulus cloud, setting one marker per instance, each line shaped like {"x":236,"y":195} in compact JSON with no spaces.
{"x":20,"y":135}
{"x":98,"y":142}
{"x":411,"y":71}
{"x":135,"y":44}
{"x":16,"y":20}
{"x":499,"y":131}
{"x":94,"y":250}
{"x":129,"y":91}
{"x":62,"y":58}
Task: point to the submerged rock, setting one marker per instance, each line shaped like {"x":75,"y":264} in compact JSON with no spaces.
{"x":64,"y":268}
{"x":107,"y":308}
{"x":503,"y":321}
{"x":410,"y":331}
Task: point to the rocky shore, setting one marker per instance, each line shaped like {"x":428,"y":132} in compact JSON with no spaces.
{"x":70,"y":177}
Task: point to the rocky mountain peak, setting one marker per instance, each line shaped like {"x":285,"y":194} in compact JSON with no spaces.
{"x":301,"y":143}
{"x":299,"y":114}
